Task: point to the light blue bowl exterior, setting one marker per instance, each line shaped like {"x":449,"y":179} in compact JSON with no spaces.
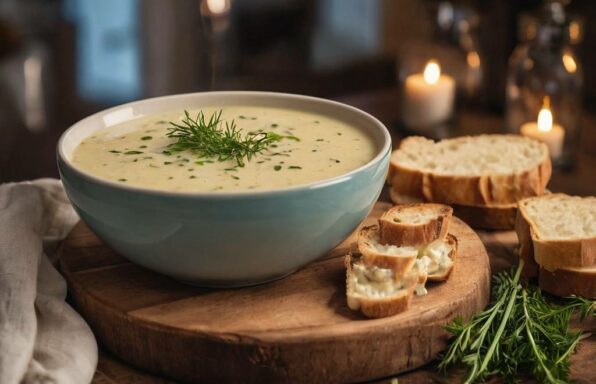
{"x":228,"y":240}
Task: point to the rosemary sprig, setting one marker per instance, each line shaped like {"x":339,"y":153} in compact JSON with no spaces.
{"x":208,"y":138}
{"x":519,"y":332}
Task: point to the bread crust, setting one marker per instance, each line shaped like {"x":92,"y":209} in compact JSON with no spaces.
{"x":408,"y":234}
{"x":469,"y":190}
{"x":398,"y":264}
{"x":567,"y":282}
{"x":552,"y":254}
{"x":526,"y":246}
{"x":452,"y":240}
{"x":382,"y":306}
{"x":495,"y":217}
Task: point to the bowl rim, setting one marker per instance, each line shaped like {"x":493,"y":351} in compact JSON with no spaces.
{"x":381,"y":153}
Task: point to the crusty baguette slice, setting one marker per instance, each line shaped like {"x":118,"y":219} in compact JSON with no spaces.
{"x":415,"y":224}
{"x":498,"y":217}
{"x":377,"y":292}
{"x":437,"y":259}
{"x":375,"y":253}
{"x":557,"y":231}
{"x":567,"y":282}
{"x":471,"y":170}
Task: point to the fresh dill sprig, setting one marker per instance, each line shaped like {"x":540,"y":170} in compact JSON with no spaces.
{"x":208,"y":138}
{"x":520,"y":332}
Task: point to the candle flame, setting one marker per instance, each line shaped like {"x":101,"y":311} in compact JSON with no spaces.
{"x":432,"y":72}
{"x":545,"y":116}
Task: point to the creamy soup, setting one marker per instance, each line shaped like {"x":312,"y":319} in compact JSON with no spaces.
{"x":309,"y":147}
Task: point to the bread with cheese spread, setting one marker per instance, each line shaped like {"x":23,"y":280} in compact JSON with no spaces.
{"x":484,"y":170}
{"x":398,"y":258}
{"x":415,"y":224}
{"x":377,"y":292}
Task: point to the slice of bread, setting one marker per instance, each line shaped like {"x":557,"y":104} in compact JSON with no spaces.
{"x":437,"y":259}
{"x":499,"y":217}
{"x":557,"y":231}
{"x":375,"y":253}
{"x":567,"y":282}
{"x":415,"y":224}
{"x":377,"y":292}
{"x":471,"y":170}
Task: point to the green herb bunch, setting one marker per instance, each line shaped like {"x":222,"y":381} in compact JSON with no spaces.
{"x":208,"y":138}
{"x":518,"y":333}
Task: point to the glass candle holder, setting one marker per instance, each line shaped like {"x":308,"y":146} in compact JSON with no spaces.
{"x":544,"y":84}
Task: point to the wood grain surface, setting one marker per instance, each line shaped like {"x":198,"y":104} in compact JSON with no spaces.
{"x":297,"y":329}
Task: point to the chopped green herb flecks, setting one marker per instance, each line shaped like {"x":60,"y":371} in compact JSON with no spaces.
{"x":162,"y":122}
{"x":337,"y":161}
{"x":167,"y":162}
{"x":143,"y":147}
{"x":115,"y":151}
{"x":231,"y":169}
{"x":320,"y":139}
{"x":145,"y":138}
{"x":192,"y":177}
{"x":133,"y":152}
{"x":294,"y":167}
{"x":338,"y":133}
{"x":123,"y":180}
{"x":274,"y":125}
{"x":167,"y":153}
{"x":235,"y":177}
{"x":277,"y":167}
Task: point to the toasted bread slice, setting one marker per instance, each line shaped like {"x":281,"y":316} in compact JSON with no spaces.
{"x":471,"y":170}
{"x":499,"y":217}
{"x":557,"y":231}
{"x":567,"y":282}
{"x":375,"y":253}
{"x":415,"y":224}
{"x":437,"y":259}
{"x":377,"y":292}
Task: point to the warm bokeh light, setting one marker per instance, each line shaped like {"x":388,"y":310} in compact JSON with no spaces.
{"x":473,"y":59}
{"x":432,"y":72}
{"x":569,"y":63}
{"x":217,"y":7}
{"x":545,"y":117}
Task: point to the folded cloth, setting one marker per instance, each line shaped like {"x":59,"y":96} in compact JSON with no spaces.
{"x":42,"y":339}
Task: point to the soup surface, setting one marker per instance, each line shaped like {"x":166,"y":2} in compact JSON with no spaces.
{"x":312,"y":147}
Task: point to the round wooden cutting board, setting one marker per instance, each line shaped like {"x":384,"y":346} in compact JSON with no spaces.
{"x":297,"y":329}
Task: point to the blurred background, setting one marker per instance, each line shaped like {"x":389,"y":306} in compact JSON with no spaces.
{"x":61,"y":60}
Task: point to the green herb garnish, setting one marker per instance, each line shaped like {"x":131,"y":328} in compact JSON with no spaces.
{"x":115,"y":151}
{"x":294,"y":167}
{"x":133,"y":152}
{"x":208,"y":138}
{"x":146,"y":138}
{"x":519,"y":333}
{"x":277,"y":167}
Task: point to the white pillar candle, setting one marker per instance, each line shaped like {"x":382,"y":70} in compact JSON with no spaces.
{"x":544,"y":130}
{"x":428,"y":97}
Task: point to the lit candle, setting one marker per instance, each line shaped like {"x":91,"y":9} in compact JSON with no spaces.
{"x":428,"y":97}
{"x":544,"y":130}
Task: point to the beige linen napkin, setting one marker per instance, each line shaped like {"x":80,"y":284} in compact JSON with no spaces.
{"x":42,"y":339}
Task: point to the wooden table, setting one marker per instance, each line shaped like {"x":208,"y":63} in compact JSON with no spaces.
{"x":581,"y":181}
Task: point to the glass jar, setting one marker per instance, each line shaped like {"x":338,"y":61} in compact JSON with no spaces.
{"x":544,"y":83}
{"x":433,"y":73}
